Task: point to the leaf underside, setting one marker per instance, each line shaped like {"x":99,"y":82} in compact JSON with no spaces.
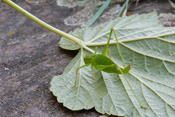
{"x":150,"y":50}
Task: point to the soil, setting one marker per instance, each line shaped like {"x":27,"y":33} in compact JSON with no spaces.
{"x":30,"y":57}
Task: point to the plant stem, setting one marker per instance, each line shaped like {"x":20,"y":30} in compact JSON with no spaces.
{"x":47,"y":26}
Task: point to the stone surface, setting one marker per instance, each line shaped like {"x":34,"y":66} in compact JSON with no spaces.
{"x":30,"y":57}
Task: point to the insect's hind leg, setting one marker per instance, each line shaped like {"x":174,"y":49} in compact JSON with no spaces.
{"x":126,"y":70}
{"x":132,"y":90}
{"x":119,"y":50}
{"x":106,"y":49}
{"x":95,"y":80}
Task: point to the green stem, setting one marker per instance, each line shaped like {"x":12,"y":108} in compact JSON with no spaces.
{"x":47,"y":26}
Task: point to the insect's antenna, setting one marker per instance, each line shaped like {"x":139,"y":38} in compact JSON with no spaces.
{"x":119,"y":50}
{"x":132,"y":89}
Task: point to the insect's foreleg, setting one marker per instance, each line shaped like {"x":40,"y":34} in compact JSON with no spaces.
{"x":77,"y":73}
{"x":95,"y":80}
{"x":119,"y":50}
{"x":132,"y":90}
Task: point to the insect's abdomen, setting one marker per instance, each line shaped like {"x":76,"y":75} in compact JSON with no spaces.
{"x":102,"y":60}
{"x":99,"y":59}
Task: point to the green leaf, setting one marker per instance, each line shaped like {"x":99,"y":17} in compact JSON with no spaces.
{"x":147,"y":47}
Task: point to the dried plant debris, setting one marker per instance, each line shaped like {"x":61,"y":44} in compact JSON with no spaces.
{"x":82,"y":17}
{"x":68,"y":3}
{"x":167,"y":19}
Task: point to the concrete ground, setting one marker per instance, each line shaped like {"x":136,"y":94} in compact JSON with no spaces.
{"x":30,"y":57}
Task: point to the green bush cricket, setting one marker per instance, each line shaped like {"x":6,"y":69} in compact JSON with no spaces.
{"x":105,"y":64}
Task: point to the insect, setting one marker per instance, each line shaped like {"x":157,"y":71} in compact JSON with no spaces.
{"x":105,"y":64}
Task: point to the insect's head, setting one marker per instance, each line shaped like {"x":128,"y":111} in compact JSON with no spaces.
{"x":87,"y":59}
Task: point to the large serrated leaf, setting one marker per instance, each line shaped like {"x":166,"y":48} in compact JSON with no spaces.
{"x":131,"y":22}
{"x":147,"y":47}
